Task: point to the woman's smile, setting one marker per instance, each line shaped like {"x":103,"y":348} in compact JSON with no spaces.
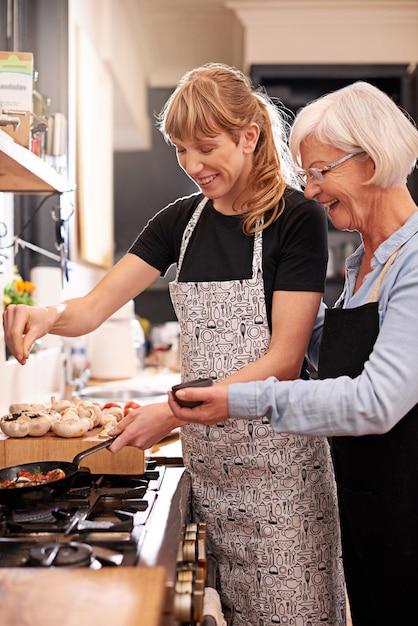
{"x":328,"y":206}
{"x":205,"y":181}
{"x":219,"y":165}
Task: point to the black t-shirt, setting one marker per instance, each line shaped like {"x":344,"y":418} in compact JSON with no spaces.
{"x":295,"y":248}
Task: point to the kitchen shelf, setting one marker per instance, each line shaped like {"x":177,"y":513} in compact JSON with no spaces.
{"x":21,"y":171}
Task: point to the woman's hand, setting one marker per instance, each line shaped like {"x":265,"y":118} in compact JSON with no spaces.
{"x":23,"y":325}
{"x":144,"y":427}
{"x":214,"y":407}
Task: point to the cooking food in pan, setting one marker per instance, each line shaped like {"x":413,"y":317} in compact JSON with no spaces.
{"x":25,"y":478}
{"x":33,"y":491}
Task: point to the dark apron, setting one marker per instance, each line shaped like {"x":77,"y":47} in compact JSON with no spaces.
{"x":377,"y":482}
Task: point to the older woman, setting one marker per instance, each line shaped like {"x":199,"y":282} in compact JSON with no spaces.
{"x":357,"y":149}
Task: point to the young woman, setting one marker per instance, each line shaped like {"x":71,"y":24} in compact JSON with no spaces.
{"x":251,"y":257}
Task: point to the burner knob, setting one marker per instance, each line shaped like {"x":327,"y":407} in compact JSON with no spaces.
{"x":183,"y":607}
{"x":191,"y":574}
{"x":188,"y":601}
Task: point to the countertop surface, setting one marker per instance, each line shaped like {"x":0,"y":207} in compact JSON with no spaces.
{"x":151,"y":378}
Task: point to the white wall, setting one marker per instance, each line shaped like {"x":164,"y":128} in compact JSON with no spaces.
{"x":115,"y":28}
{"x":172,"y":36}
{"x":329,"y":31}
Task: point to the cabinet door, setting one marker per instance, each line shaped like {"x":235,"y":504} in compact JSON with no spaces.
{"x":296,"y":85}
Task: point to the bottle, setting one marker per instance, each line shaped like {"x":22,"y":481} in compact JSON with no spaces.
{"x":139,"y":344}
{"x":39,"y":120}
{"x":77,"y":366}
{"x":40,"y":103}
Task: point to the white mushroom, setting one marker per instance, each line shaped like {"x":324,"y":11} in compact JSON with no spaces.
{"x":108,"y":418}
{"x":90,"y":411}
{"x":114,"y":411}
{"x":60,"y":405}
{"x":70,"y":413}
{"x":22,"y":407}
{"x":15,"y":424}
{"x":71,"y":427}
{"x":39,"y":424}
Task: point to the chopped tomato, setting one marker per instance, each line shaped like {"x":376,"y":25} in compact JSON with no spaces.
{"x":109,"y":405}
{"x":130,"y":406}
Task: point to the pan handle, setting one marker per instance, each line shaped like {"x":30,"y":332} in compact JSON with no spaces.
{"x":104,"y":444}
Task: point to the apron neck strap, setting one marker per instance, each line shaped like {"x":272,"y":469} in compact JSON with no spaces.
{"x":375,"y":293}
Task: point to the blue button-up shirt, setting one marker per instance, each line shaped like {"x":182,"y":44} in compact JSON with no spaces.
{"x":386,"y":389}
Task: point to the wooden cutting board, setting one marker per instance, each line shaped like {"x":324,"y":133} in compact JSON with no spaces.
{"x":123,"y":596}
{"x":15,"y":451}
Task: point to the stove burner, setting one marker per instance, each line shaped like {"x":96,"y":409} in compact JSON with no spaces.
{"x":70,"y":554}
{"x":102,"y":521}
{"x":34,"y":514}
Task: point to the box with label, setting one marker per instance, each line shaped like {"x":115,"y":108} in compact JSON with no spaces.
{"x":16,"y":84}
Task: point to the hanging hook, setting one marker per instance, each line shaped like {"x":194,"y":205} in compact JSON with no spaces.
{"x":61,"y":239}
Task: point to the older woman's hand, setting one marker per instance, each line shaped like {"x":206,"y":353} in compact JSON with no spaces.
{"x":214,"y":407}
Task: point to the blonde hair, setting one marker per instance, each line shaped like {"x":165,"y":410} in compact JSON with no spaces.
{"x":217,"y":98}
{"x":361,"y":118}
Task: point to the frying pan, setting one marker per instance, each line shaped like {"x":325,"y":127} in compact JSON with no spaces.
{"x":37,"y":493}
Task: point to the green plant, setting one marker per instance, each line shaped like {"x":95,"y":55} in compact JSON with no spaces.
{"x":18,"y":291}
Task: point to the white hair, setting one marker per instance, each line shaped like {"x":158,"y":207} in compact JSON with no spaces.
{"x":357,"y":118}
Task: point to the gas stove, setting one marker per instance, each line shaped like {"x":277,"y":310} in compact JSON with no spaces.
{"x":110,"y":521}
{"x":107,"y":513}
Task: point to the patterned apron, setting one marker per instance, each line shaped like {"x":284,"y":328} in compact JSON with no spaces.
{"x":268,"y":499}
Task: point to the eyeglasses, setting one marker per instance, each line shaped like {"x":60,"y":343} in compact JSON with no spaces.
{"x":315,"y":174}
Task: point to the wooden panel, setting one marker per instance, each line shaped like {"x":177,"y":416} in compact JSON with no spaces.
{"x":15,"y":451}
{"x":123,"y":596}
{"x":22,"y":171}
{"x":94,"y":155}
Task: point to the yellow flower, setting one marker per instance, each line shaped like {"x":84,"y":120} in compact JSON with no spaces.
{"x":19,"y":291}
{"x":23,"y":285}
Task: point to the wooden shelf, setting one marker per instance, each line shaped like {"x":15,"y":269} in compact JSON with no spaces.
{"x":21,"y":171}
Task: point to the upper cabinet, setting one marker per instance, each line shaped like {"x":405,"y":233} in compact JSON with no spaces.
{"x":21,"y":171}
{"x":41,"y":28}
{"x":296,"y":85}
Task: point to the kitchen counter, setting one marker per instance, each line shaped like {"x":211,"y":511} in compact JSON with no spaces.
{"x":168,"y":451}
{"x":151,"y":378}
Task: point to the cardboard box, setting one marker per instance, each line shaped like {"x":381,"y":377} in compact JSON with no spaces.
{"x":16,"y":85}
{"x":20,"y":134}
{"x":16,"y":80}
